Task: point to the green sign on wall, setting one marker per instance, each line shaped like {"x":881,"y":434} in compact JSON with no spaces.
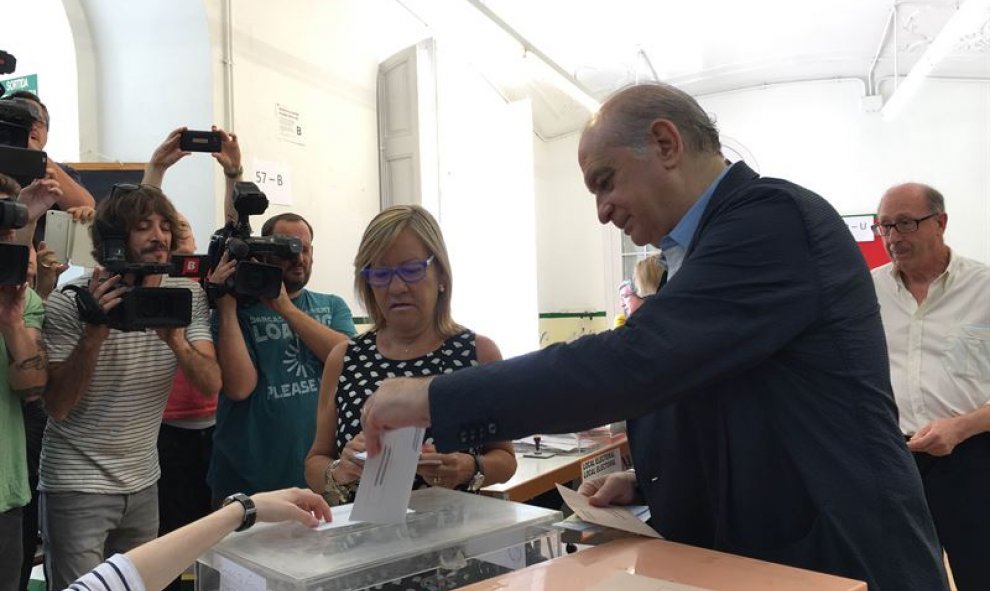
{"x":29,"y":83}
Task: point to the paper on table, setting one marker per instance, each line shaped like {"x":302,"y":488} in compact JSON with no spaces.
{"x":623,"y":581}
{"x":342,"y":517}
{"x":564,"y":442}
{"x":615,"y":517}
{"x":386,"y":481}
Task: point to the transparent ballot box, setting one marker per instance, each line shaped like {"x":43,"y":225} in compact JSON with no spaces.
{"x":449,"y":539}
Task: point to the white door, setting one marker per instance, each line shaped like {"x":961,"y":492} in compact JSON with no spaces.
{"x":407,"y":127}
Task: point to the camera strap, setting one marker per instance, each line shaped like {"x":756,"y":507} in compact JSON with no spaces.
{"x":89,"y":309}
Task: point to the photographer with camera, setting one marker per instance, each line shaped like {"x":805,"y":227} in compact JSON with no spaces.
{"x":22,"y":375}
{"x":271,"y":353}
{"x":109,"y":382}
{"x":73,"y":193}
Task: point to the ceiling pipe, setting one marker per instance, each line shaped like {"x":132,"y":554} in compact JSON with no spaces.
{"x":871,"y":89}
{"x":228,"y":66}
{"x":649,"y":64}
{"x":971,"y":15}
{"x":568,"y":82}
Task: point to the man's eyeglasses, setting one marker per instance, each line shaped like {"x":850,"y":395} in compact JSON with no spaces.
{"x":903,"y":226}
{"x":410,"y":272}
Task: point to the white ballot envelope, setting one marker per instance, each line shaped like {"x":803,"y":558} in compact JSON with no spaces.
{"x":386,"y":481}
{"x":69,"y":239}
{"x":614,"y":517}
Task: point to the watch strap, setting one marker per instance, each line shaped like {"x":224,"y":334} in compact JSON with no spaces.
{"x":476,"y":482}
{"x":250,"y":511}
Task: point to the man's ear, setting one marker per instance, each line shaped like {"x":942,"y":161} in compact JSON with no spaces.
{"x":667,"y":141}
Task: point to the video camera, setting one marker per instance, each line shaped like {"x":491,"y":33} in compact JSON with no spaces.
{"x":140,"y":307}
{"x":17,"y":115}
{"x":252,"y":279}
{"x":13,"y":257}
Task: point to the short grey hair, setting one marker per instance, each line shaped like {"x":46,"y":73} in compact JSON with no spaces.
{"x":626,"y":117}
{"x":933,"y":198}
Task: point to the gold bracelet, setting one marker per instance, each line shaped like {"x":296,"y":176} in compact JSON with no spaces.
{"x":333,"y":492}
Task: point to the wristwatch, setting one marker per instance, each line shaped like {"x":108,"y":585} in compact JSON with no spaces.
{"x":233,"y":174}
{"x":250,"y":511}
{"x":474,"y":485}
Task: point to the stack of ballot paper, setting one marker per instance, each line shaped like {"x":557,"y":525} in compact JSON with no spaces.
{"x":630,"y":518}
{"x":564,"y":442}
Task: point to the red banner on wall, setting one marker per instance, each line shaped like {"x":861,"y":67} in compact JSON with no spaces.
{"x":869,"y":244}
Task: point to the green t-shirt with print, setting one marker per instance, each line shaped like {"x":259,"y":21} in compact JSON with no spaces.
{"x":14,"y":489}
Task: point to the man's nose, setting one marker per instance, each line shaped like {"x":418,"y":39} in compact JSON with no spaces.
{"x":158,"y":233}
{"x":605,"y":210}
{"x":893,"y":234}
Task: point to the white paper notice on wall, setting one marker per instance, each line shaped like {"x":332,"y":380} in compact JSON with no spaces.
{"x":273,"y":178}
{"x":234,"y":577}
{"x":859,"y":225}
{"x":290,"y":127}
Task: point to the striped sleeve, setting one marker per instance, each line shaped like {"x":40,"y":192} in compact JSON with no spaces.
{"x":116,"y":574}
{"x":62,"y":329}
{"x":199,"y":329}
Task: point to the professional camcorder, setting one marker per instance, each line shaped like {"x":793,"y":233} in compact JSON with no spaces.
{"x":17,"y":115}
{"x":252,"y":279}
{"x":23,"y":165}
{"x":13,"y":257}
{"x":140,"y":307}
{"x":8,"y":64}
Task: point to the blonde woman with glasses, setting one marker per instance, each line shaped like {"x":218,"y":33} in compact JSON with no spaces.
{"x":402,"y":276}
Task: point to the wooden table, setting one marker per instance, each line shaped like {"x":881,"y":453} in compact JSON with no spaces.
{"x":534,"y":477}
{"x":643,"y":564}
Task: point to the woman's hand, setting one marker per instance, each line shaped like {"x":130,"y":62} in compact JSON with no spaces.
{"x":446,"y":470}
{"x":349,"y":469}
{"x":294,"y":504}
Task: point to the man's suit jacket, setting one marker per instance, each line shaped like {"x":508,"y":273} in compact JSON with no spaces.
{"x":756,"y":384}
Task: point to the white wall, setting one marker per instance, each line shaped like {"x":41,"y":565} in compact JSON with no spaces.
{"x":569,"y":237}
{"x":817,"y":135}
{"x":487,"y":207}
{"x":52,"y":57}
{"x":150,"y":74}
{"x":319,"y":59}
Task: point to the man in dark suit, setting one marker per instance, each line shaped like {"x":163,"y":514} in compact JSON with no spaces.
{"x":755,"y":382}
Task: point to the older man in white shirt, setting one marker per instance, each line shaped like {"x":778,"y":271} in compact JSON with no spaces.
{"x":935,"y":306}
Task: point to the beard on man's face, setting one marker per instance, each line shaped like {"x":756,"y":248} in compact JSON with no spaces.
{"x":149,"y":253}
{"x":293,"y":283}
